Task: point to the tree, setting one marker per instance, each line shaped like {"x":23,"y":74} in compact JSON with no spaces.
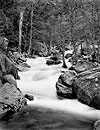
{"x":31,"y":31}
{"x":20,"y":30}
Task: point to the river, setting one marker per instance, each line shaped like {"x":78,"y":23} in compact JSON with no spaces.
{"x":47,"y":111}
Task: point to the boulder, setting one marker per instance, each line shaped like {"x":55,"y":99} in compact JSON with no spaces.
{"x":56,"y":55}
{"x":9,"y":79}
{"x":24,"y":64}
{"x":57,"y":62}
{"x":64,"y":85}
{"x":82,"y":66}
{"x":11,"y":98}
{"x":11,"y":68}
{"x":29,"y":97}
{"x":49,"y":62}
{"x":87,"y":88}
{"x":52,"y":62}
{"x":54,"y":58}
{"x":7,"y":66}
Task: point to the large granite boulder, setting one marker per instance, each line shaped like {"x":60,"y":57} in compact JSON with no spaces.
{"x":82,"y":66}
{"x":64,"y":85}
{"x":87,"y":87}
{"x":11,"y":98}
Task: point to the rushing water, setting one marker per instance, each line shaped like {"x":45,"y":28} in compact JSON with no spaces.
{"x":47,"y":111}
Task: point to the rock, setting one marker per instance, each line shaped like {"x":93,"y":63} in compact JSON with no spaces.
{"x":11,"y":98}
{"x":29,"y":97}
{"x":82,"y":66}
{"x":57,"y":62}
{"x":96,"y":125}
{"x":11,"y":68}
{"x":49,"y":62}
{"x":87,"y":88}
{"x":19,"y":57}
{"x":9,"y":79}
{"x":24,"y":64}
{"x":53,"y":58}
{"x":7,"y":66}
{"x":52,"y":62}
{"x":56,"y":55}
{"x":22,"y":69}
{"x":64,"y":85}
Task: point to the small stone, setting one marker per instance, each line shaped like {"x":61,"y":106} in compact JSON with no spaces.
{"x":29,"y":97}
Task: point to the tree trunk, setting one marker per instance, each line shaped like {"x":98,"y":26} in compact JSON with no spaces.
{"x":63,"y":58}
{"x":92,"y":39}
{"x":20,"y":30}
{"x":29,"y":51}
{"x":62,"y":44}
{"x":50,"y":44}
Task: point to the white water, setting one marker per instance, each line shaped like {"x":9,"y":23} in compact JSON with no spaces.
{"x":40,"y":81}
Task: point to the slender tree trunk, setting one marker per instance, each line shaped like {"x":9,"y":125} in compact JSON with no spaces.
{"x":63,"y":52}
{"x":30,"y":45}
{"x":92,"y":39}
{"x":25,"y":45}
{"x":62,"y":44}
{"x":50,"y":44}
{"x":63,"y":58}
{"x":20,"y":30}
{"x":99,"y":36}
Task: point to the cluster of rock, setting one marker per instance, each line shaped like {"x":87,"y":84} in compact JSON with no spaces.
{"x":19,"y":60}
{"x":85,"y":86}
{"x":81,"y":82}
{"x":11,"y":98}
{"x":54,"y":59}
{"x":83,"y":65}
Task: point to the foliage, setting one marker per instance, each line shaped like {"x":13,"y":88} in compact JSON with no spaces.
{"x":54,"y":22}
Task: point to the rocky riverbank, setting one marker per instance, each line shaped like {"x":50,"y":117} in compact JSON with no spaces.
{"x":11,"y":98}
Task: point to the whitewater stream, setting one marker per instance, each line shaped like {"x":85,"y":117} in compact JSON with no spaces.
{"x":47,"y":111}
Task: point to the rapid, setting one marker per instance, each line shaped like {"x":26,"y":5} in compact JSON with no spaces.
{"x":63,"y":114}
